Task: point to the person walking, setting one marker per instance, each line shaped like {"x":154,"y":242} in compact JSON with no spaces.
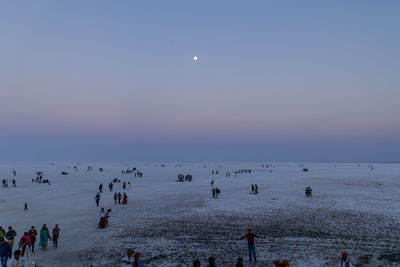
{"x":115,"y":197}
{"x":5,"y":252}
{"x":97,"y":198}
{"x":56,"y":233}
{"x":10,"y":235}
{"x":250,"y":243}
{"x":119,"y":197}
{"x":44,"y":237}
{"x":125,"y":199}
{"x":23,"y":243}
{"x":32,"y":237}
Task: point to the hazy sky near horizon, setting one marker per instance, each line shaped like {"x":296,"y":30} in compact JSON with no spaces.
{"x":275,"y":80}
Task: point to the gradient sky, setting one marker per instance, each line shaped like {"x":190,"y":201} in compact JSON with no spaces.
{"x":275,"y":80}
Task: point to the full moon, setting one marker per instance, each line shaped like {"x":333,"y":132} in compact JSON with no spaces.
{"x":195,"y":58}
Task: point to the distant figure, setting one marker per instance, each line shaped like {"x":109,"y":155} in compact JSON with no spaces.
{"x":125,"y":199}
{"x":110,"y":185}
{"x":101,"y":188}
{"x":119,"y":197}
{"x":102,"y":223}
{"x":252,"y":189}
{"x":308,"y":191}
{"x":97,"y":198}
{"x":344,"y":261}
{"x":26,"y":207}
{"x":255,"y":189}
{"x":115,"y":197}
{"x":124,"y":186}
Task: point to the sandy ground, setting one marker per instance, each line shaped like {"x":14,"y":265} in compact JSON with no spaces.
{"x":354,"y":208}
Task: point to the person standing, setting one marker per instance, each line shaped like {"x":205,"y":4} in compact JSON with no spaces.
{"x":55,"y":233}
{"x":101,"y":187}
{"x":115,"y":197}
{"x":10,"y":235}
{"x":119,"y":197}
{"x":44,"y":237}
{"x":125,"y":199}
{"x":250,"y":244}
{"x":5,"y":252}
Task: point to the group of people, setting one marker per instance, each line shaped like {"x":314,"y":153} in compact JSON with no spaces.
{"x":132,"y":259}
{"x":184,"y":178}
{"x":254,"y":189}
{"x":5,"y":183}
{"x":125,"y":185}
{"x":119,"y":197}
{"x":133,"y":171}
{"x":243,"y":171}
{"x":39,"y":178}
{"x":28,"y":239}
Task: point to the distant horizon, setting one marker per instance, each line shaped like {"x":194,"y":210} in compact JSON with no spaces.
{"x":289,"y":81}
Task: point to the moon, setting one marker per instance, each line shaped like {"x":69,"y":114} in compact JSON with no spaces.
{"x":195,"y":58}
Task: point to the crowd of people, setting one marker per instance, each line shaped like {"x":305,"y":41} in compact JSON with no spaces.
{"x":27,"y":240}
{"x":184,"y":178}
{"x":134,"y":171}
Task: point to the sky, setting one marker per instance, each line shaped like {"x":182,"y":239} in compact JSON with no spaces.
{"x":274,"y":80}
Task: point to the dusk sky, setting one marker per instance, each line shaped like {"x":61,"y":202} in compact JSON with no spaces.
{"x":274,"y":80}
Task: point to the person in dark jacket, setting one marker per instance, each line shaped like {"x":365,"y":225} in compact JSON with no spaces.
{"x":10,"y":235}
{"x":32,"y":237}
{"x":250,"y":243}
{"x":5,"y":252}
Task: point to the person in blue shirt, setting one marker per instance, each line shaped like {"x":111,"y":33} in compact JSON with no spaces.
{"x":5,"y":252}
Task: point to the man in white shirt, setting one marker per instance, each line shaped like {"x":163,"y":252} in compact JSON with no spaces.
{"x":17,"y":261}
{"x":128,"y":260}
